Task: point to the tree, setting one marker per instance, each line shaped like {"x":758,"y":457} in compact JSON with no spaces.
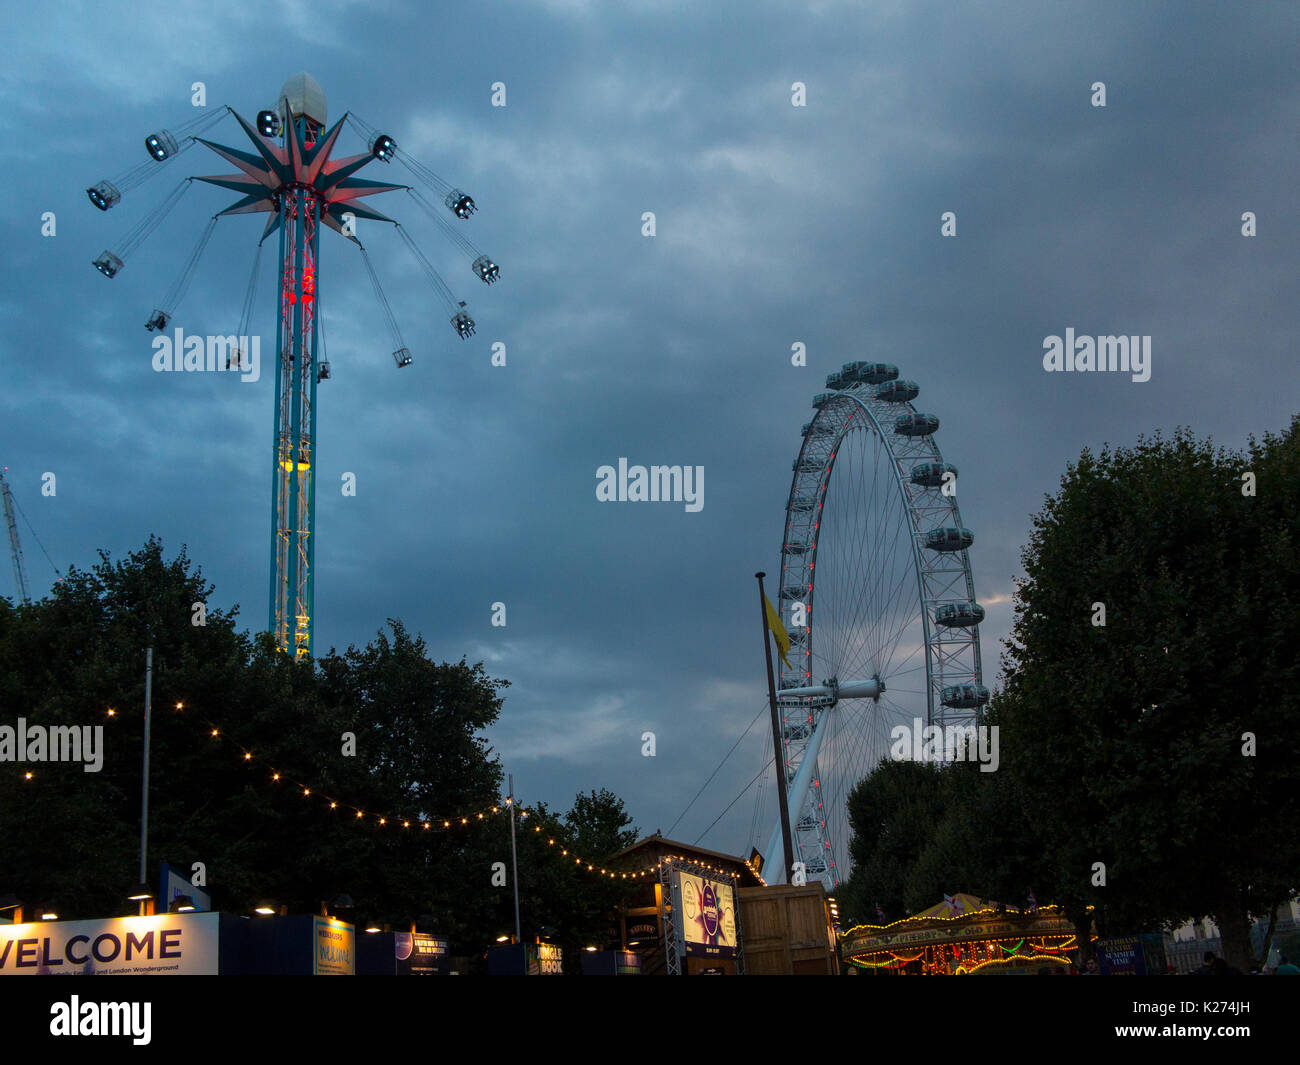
{"x":600,"y":824}
{"x":894,"y":814}
{"x":1126,"y":739}
{"x":289,"y":780}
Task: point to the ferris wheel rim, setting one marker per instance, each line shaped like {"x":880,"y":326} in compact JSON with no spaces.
{"x":855,"y":409}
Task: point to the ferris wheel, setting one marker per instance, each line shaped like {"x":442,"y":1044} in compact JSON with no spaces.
{"x":877,"y":597}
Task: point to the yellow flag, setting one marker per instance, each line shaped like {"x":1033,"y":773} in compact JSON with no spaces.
{"x":778,"y":630}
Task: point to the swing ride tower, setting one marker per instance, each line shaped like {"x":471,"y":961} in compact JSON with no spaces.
{"x":292,"y":176}
{"x":298,"y":183}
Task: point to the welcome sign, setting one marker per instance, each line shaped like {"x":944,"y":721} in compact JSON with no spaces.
{"x":333,"y":945}
{"x":182,"y":944}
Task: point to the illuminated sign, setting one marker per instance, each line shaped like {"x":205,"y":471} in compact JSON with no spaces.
{"x":332,"y":944}
{"x":420,"y":954}
{"x":550,"y":960}
{"x":707,"y":914}
{"x":178,"y":944}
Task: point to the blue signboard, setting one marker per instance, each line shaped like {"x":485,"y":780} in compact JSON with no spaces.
{"x":174,"y":884}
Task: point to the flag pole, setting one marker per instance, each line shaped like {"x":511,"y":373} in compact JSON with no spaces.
{"x":778,"y":747}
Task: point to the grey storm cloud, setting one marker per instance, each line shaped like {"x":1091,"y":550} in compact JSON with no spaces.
{"x":775,"y":224}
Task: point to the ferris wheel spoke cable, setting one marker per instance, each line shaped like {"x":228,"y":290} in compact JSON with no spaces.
{"x":877,"y":599}
{"x":716,"y":771}
{"x":900,"y":539}
{"x":886,"y":634}
{"x":907,"y":618}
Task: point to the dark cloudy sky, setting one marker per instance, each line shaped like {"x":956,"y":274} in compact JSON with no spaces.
{"x":775,"y":224}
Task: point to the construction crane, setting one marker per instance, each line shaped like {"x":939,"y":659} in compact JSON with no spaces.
{"x":15,"y":548}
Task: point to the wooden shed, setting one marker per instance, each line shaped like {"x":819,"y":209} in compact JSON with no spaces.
{"x":788,"y":930}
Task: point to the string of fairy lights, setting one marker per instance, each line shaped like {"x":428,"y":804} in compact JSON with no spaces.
{"x":275,"y":776}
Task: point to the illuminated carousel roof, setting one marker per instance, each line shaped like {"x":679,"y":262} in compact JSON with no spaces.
{"x":958,"y":919}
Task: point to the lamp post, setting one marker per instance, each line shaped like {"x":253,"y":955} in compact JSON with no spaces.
{"x":144,"y":782}
{"x":514,"y":859}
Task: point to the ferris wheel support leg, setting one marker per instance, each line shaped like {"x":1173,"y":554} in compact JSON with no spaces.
{"x":798,"y":795}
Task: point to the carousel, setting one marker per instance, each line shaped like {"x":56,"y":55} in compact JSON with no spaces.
{"x":965,"y":935}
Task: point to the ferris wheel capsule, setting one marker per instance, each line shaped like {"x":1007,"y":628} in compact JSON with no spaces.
{"x":964,"y":696}
{"x":837,"y":381}
{"x":931,"y":474}
{"x":869,"y":373}
{"x":949,"y":539}
{"x":916,"y":424}
{"x":822,"y":398}
{"x":898,"y":391}
{"x":959,"y":615}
